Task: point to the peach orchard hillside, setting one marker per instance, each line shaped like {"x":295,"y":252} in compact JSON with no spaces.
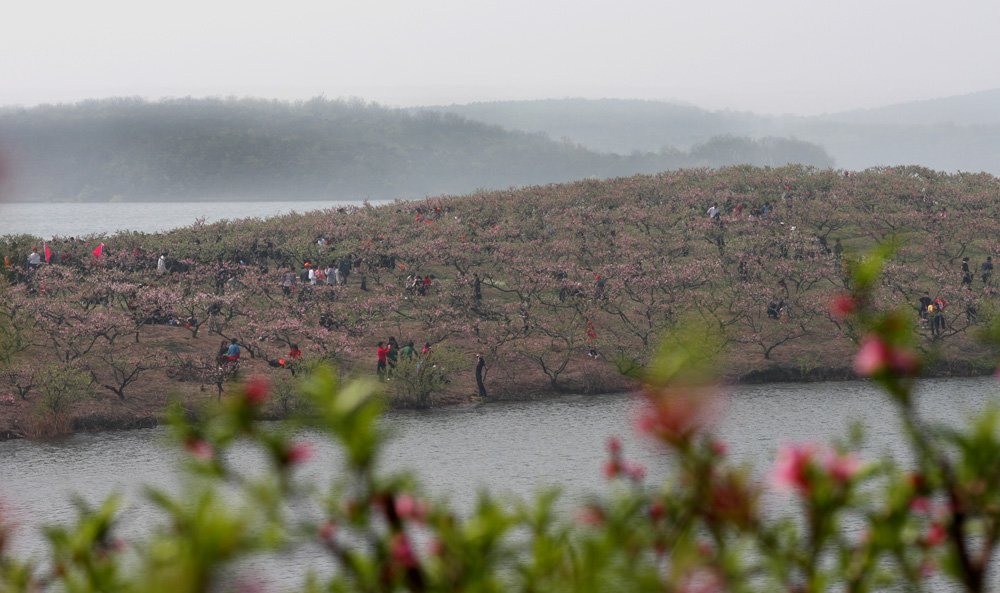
{"x":559,"y":287}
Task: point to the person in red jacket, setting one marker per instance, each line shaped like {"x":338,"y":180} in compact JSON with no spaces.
{"x":289,"y":362}
{"x":383,"y":354}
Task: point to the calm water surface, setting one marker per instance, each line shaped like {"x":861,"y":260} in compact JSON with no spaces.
{"x":47,"y":220}
{"x":515,"y":448}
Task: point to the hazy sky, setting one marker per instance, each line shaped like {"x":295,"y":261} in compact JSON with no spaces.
{"x":778,"y":56}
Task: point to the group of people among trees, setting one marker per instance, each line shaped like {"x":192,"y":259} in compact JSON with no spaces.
{"x":389,"y":354}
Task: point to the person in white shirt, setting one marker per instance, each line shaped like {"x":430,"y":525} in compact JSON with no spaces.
{"x":34,"y":259}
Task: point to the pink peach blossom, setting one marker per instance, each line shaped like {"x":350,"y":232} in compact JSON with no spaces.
{"x":410,"y":507}
{"x":872,"y":357}
{"x":701,"y":580}
{"x":920,"y":504}
{"x":875,"y":356}
{"x":794,"y":462}
{"x":790,"y":467}
{"x":676,"y":416}
{"x":635,"y":471}
{"x":841,"y":467}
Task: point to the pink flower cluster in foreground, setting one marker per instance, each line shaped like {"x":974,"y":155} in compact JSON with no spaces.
{"x":676,"y":415}
{"x":876,"y":355}
{"x":408,"y":507}
{"x":796,"y":467}
{"x":617,"y":466}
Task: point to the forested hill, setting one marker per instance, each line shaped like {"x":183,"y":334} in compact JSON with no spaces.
{"x":203,"y":149}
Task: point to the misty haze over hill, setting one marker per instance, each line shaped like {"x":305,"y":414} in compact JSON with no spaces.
{"x":954,"y":133}
{"x":200,"y":149}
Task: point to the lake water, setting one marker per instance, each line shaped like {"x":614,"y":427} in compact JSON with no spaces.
{"x":47,"y":220}
{"x":503,"y":447}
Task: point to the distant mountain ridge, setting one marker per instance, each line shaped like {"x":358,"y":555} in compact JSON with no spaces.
{"x":618,"y":126}
{"x":952,"y":133}
{"x":973,"y":109}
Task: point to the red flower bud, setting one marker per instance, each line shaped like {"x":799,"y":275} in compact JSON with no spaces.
{"x":936,"y":535}
{"x":402,"y":551}
{"x":635,"y":471}
{"x":409,"y":507}
{"x":327,"y":530}
{"x":614,"y":445}
{"x":590,"y":515}
{"x":842,"y":306}
{"x":257,"y":389}
{"x":199,"y":449}
{"x":300,"y":452}
{"x":656,"y":510}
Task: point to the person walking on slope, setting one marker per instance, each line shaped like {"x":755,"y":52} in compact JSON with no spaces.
{"x":966,"y":273}
{"x":288,"y":282}
{"x":926,"y":306}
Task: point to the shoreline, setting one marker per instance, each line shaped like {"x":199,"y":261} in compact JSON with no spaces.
{"x":94,"y":422}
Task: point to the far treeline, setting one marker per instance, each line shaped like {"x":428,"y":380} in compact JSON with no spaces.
{"x":563,"y":287}
{"x":130,"y":149}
